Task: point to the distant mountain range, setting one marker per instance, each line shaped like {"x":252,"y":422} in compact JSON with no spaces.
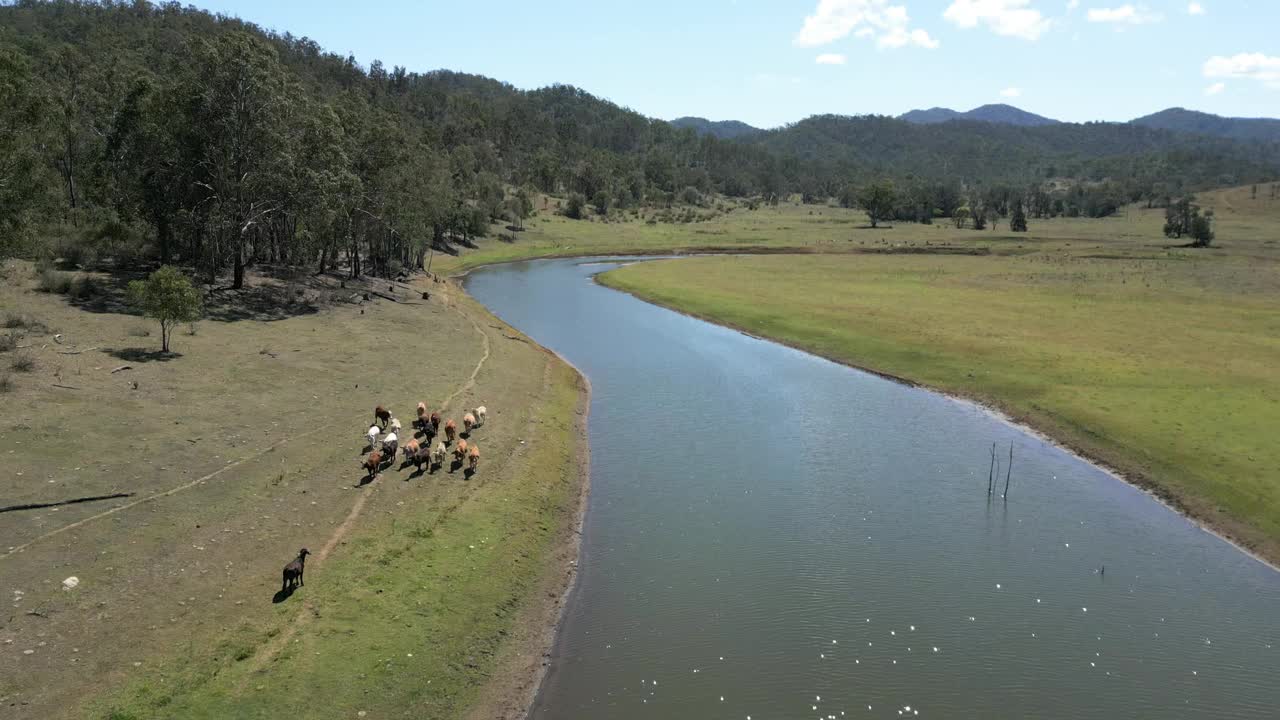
{"x":1177,"y":120}
{"x":1001,"y":114}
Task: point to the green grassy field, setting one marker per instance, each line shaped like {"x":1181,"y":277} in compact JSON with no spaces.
{"x":1244,"y":225}
{"x":1162,"y":362}
{"x":422,"y":593}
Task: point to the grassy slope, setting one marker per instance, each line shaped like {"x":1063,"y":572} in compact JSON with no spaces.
{"x":809,"y":229}
{"x":1167,"y":368}
{"x":174,"y":614}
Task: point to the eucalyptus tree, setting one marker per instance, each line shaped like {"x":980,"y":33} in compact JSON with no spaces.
{"x":237,"y":103}
{"x":22,"y":112}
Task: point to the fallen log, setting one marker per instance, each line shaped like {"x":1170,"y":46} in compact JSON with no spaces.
{"x":77,"y":352}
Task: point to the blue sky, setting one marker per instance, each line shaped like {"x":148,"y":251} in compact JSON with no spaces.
{"x":772,"y":62}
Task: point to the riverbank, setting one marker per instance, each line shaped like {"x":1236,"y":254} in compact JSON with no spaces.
{"x":1082,"y":351}
{"x":420,"y":589}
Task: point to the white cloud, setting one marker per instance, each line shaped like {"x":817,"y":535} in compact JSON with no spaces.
{"x":1011,"y":92}
{"x":1124,"y":15}
{"x":1012,"y":18}
{"x":830,"y":59}
{"x":1249,"y":66}
{"x":1195,"y":8}
{"x":1072,"y":5}
{"x":921,"y":38}
{"x":835,"y":19}
{"x":1215,"y":88}
{"x":898,"y":37}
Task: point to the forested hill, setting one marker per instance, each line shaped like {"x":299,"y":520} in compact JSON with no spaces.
{"x":723,"y":129}
{"x":206,"y":138}
{"x":1190,"y":121}
{"x":1140,"y":157}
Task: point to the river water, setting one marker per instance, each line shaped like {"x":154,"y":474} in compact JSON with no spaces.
{"x":772,"y":535}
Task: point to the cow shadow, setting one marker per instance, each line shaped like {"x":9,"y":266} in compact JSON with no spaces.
{"x":283,"y":594}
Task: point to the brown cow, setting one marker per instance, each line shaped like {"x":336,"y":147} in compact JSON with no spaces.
{"x":373,"y":463}
{"x":460,"y":451}
{"x":473,"y":458}
{"x":435,"y":420}
{"x":381,"y":416}
{"x":450,"y":431}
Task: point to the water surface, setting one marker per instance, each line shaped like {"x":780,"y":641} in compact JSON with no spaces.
{"x":777,"y":536}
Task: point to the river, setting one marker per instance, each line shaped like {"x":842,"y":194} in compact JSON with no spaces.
{"x":773,"y":535}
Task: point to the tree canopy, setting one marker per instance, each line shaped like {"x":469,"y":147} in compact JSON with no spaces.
{"x":207,"y":141}
{"x":167,"y":296}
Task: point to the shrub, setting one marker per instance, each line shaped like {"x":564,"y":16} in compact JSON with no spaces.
{"x":22,"y":363}
{"x":79,"y":287}
{"x":85,"y":287}
{"x":73,"y":251}
{"x":15,"y":320}
{"x":6,"y":383}
{"x":9,"y":341}
{"x":53,"y":281}
{"x":139,"y":332}
{"x":574,"y":206}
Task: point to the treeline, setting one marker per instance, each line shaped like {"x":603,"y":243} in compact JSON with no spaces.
{"x":139,"y":132}
{"x":1141,"y":164}
{"x":924,"y":201}
{"x":145,"y":132}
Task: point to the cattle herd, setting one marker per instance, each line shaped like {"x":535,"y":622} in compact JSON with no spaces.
{"x":383,"y":440}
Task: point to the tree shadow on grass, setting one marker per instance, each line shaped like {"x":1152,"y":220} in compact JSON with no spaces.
{"x":262,"y":302}
{"x":110,"y":294}
{"x":142,"y":355}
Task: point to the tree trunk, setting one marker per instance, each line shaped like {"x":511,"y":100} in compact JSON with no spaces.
{"x":237,"y":278}
{"x":69,"y":173}
{"x":162,"y":238}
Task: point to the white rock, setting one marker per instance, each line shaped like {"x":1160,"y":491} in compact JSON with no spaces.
{"x":70,"y":582}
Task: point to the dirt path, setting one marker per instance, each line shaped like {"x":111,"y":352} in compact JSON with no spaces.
{"x":465,"y":387}
{"x":280,"y":641}
{"x":191,"y":563}
{"x":171,"y":491}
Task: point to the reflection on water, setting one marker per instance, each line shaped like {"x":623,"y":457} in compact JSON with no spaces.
{"x":776,"y":536}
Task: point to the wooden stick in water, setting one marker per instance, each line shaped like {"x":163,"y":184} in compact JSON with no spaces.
{"x":1008,"y":472}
